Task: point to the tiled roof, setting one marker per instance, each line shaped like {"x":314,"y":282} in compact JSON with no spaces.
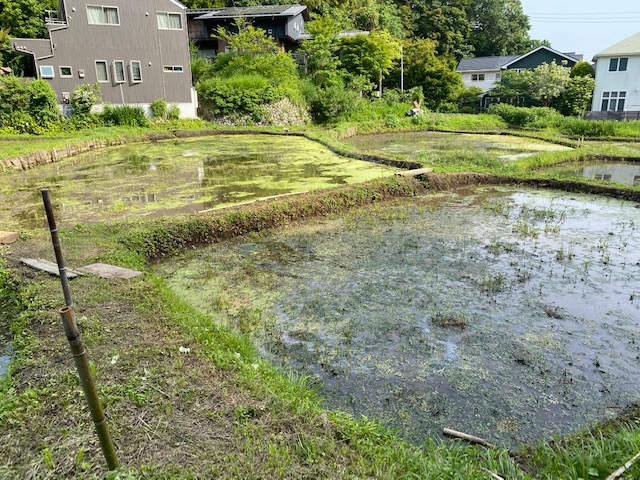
{"x":485,"y":63}
{"x":628,"y":46}
{"x":253,"y":12}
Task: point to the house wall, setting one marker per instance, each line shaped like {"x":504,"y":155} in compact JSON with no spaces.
{"x":628,"y":82}
{"x":536,"y":59}
{"x":491,"y":77}
{"x":137,"y":38}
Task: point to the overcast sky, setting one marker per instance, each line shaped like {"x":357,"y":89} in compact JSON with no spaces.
{"x":582,"y":26}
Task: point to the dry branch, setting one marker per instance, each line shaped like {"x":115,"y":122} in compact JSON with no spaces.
{"x":623,"y":468}
{"x":493,"y":475}
{"x":468,"y":438}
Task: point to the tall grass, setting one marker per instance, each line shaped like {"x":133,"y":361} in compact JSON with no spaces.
{"x":128,"y":115}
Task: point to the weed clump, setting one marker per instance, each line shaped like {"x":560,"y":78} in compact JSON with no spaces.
{"x":449,"y":320}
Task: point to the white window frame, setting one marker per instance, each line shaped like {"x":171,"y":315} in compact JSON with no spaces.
{"x":173,"y":69}
{"x":115,"y":72}
{"x":106,"y":70}
{"x":479,"y":77}
{"x":132,"y":78}
{"x":103,"y":7}
{"x":49,"y":69}
{"x":616,"y":99}
{"x":168,"y":14}
{"x":63,"y":75}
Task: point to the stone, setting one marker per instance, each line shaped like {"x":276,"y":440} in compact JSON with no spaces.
{"x":8,"y":237}
{"x":109,"y":271}
{"x":47,"y":266}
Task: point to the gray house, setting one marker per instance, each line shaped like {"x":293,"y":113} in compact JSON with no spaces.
{"x":137,"y":51}
{"x":284,"y":23}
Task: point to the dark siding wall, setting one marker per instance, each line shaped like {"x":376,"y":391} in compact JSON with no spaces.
{"x":136,"y":38}
{"x":538,"y":58}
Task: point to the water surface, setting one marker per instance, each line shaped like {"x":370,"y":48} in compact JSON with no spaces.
{"x":177,"y":176}
{"x":509,"y":314}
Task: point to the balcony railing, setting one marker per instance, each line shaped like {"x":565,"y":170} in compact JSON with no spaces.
{"x":54,"y":17}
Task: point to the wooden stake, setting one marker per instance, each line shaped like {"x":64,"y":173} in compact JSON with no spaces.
{"x":468,"y":438}
{"x":623,"y":468}
{"x":491,"y":474}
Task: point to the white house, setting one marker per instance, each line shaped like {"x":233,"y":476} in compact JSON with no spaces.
{"x":485,"y":72}
{"x":618,"y":77}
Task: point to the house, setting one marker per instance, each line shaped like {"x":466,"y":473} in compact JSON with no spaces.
{"x":285,"y":23}
{"x":137,"y":51}
{"x":618,"y":77}
{"x":486,"y":72}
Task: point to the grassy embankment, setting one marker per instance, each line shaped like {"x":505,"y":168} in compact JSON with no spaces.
{"x":216,"y":409}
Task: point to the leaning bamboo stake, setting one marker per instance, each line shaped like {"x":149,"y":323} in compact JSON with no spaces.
{"x":495,"y":476}
{"x":80,"y":356}
{"x":468,"y":438}
{"x":81,"y":360}
{"x":623,"y":468}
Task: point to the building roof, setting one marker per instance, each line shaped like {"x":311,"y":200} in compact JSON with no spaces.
{"x":483,"y":64}
{"x":628,"y":46}
{"x":249,"y":12}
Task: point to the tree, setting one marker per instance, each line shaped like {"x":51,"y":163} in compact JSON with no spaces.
{"x":25,"y":18}
{"x":576,"y":98}
{"x":548,"y":81}
{"x":444,"y":22}
{"x":320,"y":51}
{"x":498,"y":27}
{"x":370,"y":56}
{"x":582,"y":69}
{"x":248,"y":40}
{"x":436,"y":75}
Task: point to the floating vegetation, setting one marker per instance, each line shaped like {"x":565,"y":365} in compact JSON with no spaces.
{"x":435,"y":311}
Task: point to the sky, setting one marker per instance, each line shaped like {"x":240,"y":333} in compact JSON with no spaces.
{"x":582,"y":26}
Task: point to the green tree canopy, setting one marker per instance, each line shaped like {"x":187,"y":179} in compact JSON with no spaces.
{"x":583,"y":69}
{"x":321,"y":60}
{"x":498,"y":27}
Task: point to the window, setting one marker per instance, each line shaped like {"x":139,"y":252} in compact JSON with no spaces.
{"x":636,"y":180}
{"x":118,"y":71}
{"x":169,"y":21}
{"x":602,"y":176}
{"x":172,"y":68}
{"x":613,"y":101}
{"x":477,"y":77}
{"x":618,"y":64}
{"x":66,"y":72}
{"x":99,"y":15}
{"x":135,"y":71}
{"x":46,"y":71}
{"x":102,"y":74}
{"x":498,"y":77}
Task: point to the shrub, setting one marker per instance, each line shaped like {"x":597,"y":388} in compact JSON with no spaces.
{"x":329,"y":103}
{"x":173,"y":112}
{"x":587,"y":128}
{"x":27,"y":106}
{"x":524,"y":116}
{"x":85,"y":97}
{"x":124,"y":115}
{"x":159,"y":108}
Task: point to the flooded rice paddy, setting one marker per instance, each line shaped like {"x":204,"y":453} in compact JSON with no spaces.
{"x":508,"y":314}
{"x":426,"y":144}
{"x":175,"y":177}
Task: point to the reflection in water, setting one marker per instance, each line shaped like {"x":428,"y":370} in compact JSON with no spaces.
{"x":175,"y":177}
{"x":627,"y":174}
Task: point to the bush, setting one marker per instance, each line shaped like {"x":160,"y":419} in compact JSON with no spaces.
{"x":27,"y":106}
{"x":124,"y":115}
{"x":173,"y":112}
{"x":159,"y":108}
{"x":587,"y":128}
{"x":524,"y":116}
{"x":84,"y":98}
{"x":329,"y":103}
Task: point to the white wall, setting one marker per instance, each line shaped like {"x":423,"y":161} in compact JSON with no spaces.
{"x":628,"y":82}
{"x":486,"y":85}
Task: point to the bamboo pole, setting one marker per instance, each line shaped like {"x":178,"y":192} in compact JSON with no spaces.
{"x":55,"y":239}
{"x":80,"y":356}
{"x":81,"y":360}
{"x":623,"y":468}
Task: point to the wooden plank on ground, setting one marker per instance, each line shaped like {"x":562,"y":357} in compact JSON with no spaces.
{"x":47,"y":266}
{"x":273,"y":197}
{"x":105,"y":270}
{"x":414,"y":173}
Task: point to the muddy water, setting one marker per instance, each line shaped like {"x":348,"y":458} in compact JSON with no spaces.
{"x":618,"y":172}
{"x":509,"y":314}
{"x":175,"y":176}
{"x":424,"y":143}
